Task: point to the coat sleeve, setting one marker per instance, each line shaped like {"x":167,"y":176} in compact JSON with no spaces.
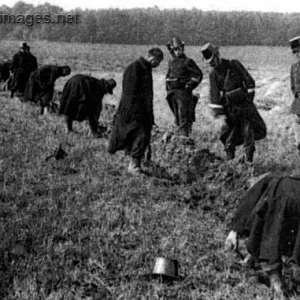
{"x":196,"y":74}
{"x":249,"y":82}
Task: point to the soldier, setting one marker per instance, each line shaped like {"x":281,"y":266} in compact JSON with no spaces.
{"x":231,"y":94}
{"x":295,"y":86}
{"x":82,"y":98}
{"x":40,"y":86}
{"x":134,"y":118}
{"x":183,"y":76}
{"x":269,"y":216}
{"x":23,"y":64}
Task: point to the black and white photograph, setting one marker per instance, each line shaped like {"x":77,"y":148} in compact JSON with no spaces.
{"x":150,"y":150}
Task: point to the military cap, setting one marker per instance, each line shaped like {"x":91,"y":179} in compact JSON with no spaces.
{"x":23,"y":45}
{"x":175,"y":43}
{"x":295,"y":44}
{"x":209,"y":51}
{"x":111,"y":84}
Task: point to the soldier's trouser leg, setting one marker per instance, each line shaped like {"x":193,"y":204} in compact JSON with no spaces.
{"x":184,"y":103}
{"x":249,"y":139}
{"x":140,"y":141}
{"x":230,"y":143}
{"x":297,"y":132}
{"x":69,"y":122}
{"x":93,"y":121}
{"x":45,"y":100}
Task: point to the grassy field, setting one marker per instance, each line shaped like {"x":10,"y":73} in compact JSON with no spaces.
{"x":82,"y":228}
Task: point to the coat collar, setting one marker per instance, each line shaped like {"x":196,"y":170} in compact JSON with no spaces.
{"x":145,"y":63}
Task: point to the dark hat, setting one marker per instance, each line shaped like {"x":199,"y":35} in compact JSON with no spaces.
{"x":111,"y":84}
{"x":175,"y":43}
{"x":209,"y":51}
{"x":295,"y":44}
{"x":23,"y":45}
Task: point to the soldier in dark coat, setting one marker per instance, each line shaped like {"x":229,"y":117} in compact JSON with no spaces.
{"x":23,"y":64}
{"x":232,"y":94}
{"x":295,"y":87}
{"x":183,"y":76}
{"x":134,"y":118}
{"x":82,"y":98}
{"x":269,"y":216}
{"x":40,"y":86}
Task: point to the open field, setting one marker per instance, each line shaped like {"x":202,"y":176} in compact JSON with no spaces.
{"x":81,"y":228}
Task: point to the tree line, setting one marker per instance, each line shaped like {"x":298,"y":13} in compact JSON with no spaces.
{"x":151,"y":26}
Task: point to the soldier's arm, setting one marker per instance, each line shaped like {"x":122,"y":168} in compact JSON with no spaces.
{"x":292,"y":80}
{"x":196,"y":74}
{"x":247,"y":78}
{"x":131,"y":80}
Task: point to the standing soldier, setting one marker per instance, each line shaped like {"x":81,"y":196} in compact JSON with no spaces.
{"x":183,"y":76}
{"x":134,"y":118}
{"x":231,"y":94}
{"x":82,"y":98}
{"x":23,"y":64}
{"x":295,"y":86}
{"x":40,"y":86}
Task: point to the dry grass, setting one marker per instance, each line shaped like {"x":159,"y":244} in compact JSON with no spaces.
{"x":81,"y":228}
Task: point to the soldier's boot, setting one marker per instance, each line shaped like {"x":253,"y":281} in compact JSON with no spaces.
{"x":69,"y":124}
{"x":230,"y":154}
{"x":134,"y":166}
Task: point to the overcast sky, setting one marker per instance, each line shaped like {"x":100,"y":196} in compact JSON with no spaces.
{"x":224,"y":5}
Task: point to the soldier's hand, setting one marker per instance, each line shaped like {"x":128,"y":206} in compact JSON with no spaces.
{"x":232,"y":241}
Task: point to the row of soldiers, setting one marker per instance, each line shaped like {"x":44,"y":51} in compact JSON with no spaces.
{"x":269,"y":212}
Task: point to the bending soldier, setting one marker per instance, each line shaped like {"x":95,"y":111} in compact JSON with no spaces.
{"x":40,"y":86}
{"x":183,"y":76}
{"x":82,"y":98}
{"x":232,"y":94}
{"x":269,"y":217}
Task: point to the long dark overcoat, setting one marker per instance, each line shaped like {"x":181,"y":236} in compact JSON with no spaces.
{"x":40,"y":85}
{"x":269,"y":215}
{"x":136,"y":106}
{"x":23,"y":64}
{"x":229,"y":76}
{"x":82,"y":97}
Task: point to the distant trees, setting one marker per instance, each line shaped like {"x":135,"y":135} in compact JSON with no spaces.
{"x":152,"y":26}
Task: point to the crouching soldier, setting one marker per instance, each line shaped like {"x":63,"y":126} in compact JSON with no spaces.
{"x":295,"y":86}
{"x":82,"y":98}
{"x":269,"y":216}
{"x":182,"y":78}
{"x":40,"y":86}
{"x":134,"y":118}
{"x":232,"y":94}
